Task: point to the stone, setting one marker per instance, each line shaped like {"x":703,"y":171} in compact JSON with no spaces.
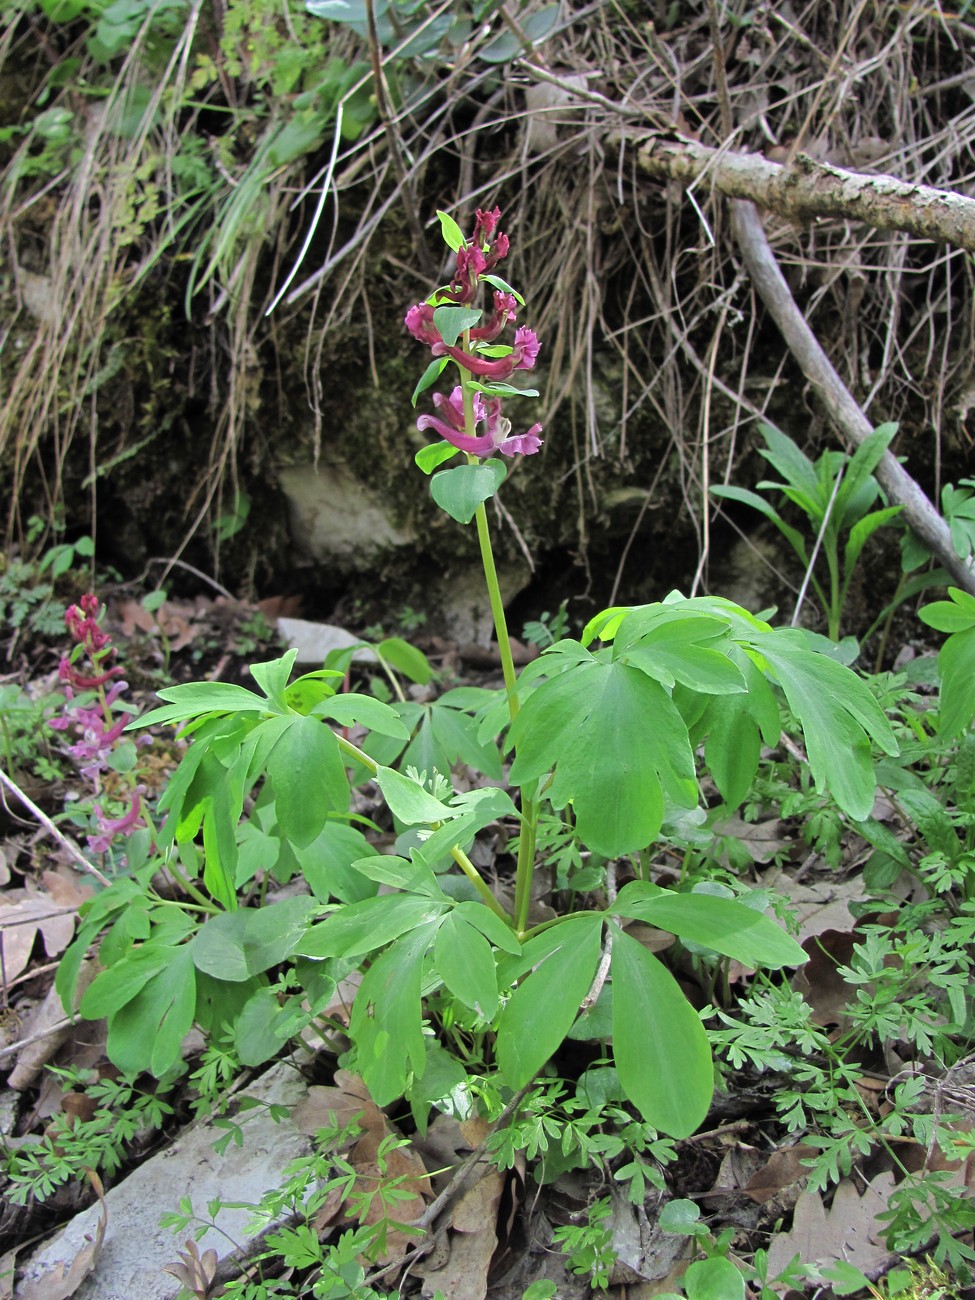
{"x":314,"y":641}
{"x":135,"y":1247}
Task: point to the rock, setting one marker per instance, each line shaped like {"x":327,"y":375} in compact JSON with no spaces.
{"x":135,"y":1248}
{"x":313,"y":641}
{"x":336,"y":518}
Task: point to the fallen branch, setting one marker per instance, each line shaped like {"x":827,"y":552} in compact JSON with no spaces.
{"x":843,"y":408}
{"x":805,"y":189}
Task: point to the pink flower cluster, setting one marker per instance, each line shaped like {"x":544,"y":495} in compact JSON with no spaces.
{"x":475,"y":259}
{"x":92,"y":717}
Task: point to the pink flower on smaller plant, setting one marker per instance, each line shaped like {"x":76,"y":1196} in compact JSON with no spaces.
{"x":110,"y":829}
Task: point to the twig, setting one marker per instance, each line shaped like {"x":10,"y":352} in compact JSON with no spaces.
{"x":460,"y":1182}
{"x":840,"y":403}
{"x":64,"y":840}
{"x":35,"y":1038}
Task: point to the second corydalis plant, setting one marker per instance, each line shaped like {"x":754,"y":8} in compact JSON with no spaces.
{"x":95,"y":718}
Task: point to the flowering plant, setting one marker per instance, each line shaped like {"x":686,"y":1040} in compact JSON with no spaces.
{"x":467,"y":990}
{"x":98,"y":717}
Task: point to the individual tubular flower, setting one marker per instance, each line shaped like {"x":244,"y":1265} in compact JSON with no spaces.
{"x":505,"y":309}
{"x":110,"y":829}
{"x":522,"y":357}
{"x":497,"y":436}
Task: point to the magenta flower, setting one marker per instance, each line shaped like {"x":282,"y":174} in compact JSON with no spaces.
{"x":505,"y":309}
{"x":521,"y":357}
{"x":109,"y":828}
{"x":419,"y":321}
{"x":497,"y":436}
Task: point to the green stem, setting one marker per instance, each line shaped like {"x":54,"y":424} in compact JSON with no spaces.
{"x":190,"y":888}
{"x":529,"y":808}
{"x":457,"y":853}
{"x":477,"y":880}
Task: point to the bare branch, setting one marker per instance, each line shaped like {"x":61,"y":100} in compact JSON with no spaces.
{"x":805,"y":189}
{"x":845,"y":411}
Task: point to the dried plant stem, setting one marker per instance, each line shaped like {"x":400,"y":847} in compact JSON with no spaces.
{"x":55,"y":832}
{"x":805,"y":189}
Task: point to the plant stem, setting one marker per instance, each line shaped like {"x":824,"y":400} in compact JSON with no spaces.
{"x":457,"y":853}
{"x":186,"y":884}
{"x":477,"y":880}
{"x":529,"y":808}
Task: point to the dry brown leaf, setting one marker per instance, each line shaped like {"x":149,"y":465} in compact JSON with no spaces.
{"x":49,"y":1031}
{"x":764,"y":839}
{"x":348,"y":1101}
{"x":473,"y":1238}
{"x":848,"y":1231}
{"x":822,"y":905}
{"x":63,"y":1281}
{"x":782,"y":1170}
{"x":820,"y":981}
{"x":23,"y":914}
{"x":172,"y":619}
{"x":196,"y":1271}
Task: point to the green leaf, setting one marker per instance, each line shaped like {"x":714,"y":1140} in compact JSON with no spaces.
{"x":845,"y":1279}
{"x":240,"y":944}
{"x":629,"y":747}
{"x":497,"y":283}
{"x":460,"y":491}
{"x":495,"y":388}
{"x":411,"y":877}
{"x":351,"y":708}
{"x":408,"y":801}
{"x":195,"y":698}
{"x":111,"y":989}
{"x":542,"y":1008}
{"x":429,"y":377}
{"x":722,"y":924}
{"x":386,"y":1022}
{"x":659,"y":1044}
{"x":359,"y":928}
{"x":148,"y":1032}
{"x":536,"y":27}
{"x":452,"y":321}
{"x":254,"y":1036}
{"x":956,"y":665}
{"x":463,"y":959}
{"x":330,"y":864}
{"x":714,"y":1279}
{"x":490,"y":925}
{"x":794,"y":465}
{"x":955,"y":615}
{"x":452,"y":234}
{"x":308,"y":778}
{"x":677,"y":650}
{"x":862,"y":531}
{"x":838,"y":716}
{"x":433,"y":455}
{"x":272,"y":678}
{"x":746,"y":497}
{"x":406,"y":659}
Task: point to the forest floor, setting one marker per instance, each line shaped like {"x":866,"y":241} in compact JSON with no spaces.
{"x":750,"y":1186}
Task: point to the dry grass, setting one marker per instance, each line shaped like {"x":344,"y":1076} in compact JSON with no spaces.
{"x":630,"y":280}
